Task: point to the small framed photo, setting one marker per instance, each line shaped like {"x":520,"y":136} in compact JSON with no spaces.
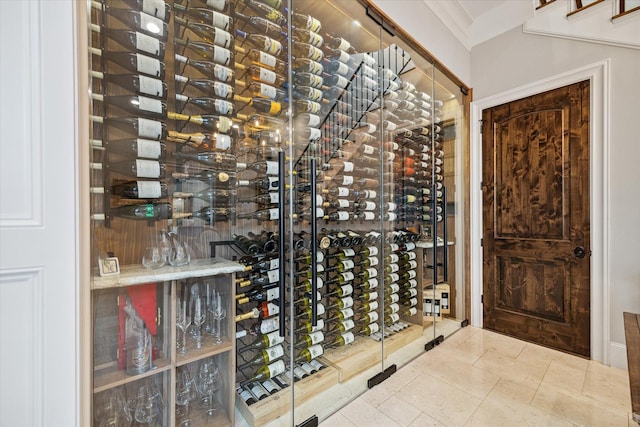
{"x":109,"y":266}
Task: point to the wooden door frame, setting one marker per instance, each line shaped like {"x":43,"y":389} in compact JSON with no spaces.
{"x":598,"y":75}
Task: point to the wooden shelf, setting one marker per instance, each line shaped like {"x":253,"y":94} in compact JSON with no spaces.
{"x":113,"y":377}
{"x":136,"y":274}
{"x":208,"y":349}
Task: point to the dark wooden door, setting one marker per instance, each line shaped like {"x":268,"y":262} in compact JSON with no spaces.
{"x":535,"y":181}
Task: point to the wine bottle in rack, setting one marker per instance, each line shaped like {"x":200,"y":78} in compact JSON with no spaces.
{"x":218,"y":195}
{"x":211,"y":215}
{"x":264,"y":10}
{"x":139,"y":84}
{"x":208,"y":51}
{"x":136,"y":168}
{"x":207,"y":87}
{"x":136,"y":20}
{"x":140,"y":190}
{"x":208,"y":33}
{"x":142,"y":106}
{"x":148,"y":212}
{"x":267,"y":371}
{"x":133,"y":40}
{"x":138,"y":147}
{"x":205,"y":15}
{"x":158,"y":8}
{"x":208,"y":104}
{"x":208,"y":68}
{"x":264,"y":357}
{"x":260,"y":25}
{"x":133,"y":62}
{"x":216,"y":159}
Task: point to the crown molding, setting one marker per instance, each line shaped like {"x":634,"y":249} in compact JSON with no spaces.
{"x":455,"y":17}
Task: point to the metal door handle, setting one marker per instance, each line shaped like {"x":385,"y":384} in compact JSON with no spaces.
{"x":579,"y":252}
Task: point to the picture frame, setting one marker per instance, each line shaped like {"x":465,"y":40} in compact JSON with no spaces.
{"x":109,"y":266}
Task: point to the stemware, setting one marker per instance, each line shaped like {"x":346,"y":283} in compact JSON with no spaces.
{"x":183,"y":321}
{"x":209,"y":382}
{"x":199,"y":317}
{"x":153,"y":258}
{"x":148,"y":404}
{"x":186,"y":392}
{"x":218,"y":313}
{"x":111,"y":409}
{"x":179,"y":254}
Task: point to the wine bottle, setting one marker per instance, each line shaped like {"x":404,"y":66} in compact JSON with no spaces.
{"x":215,"y":105}
{"x":139,"y":147}
{"x":211,"y":177}
{"x":140,"y":190}
{"x":133,"y":62}
{"x":211,"y":215}
{"x":208,"y":68}
{"x":264,"y":357}
{"x":139,"y":105}
{"x":269,"y":371}
{"x":261,"y":215}
{"x":306,"y":64}
{"x":268,"y":294}
{"x":261,"y":25}
{"x":217,"y":195}
{"x":307,"y":36}
{"x":263,"y":199}
{"x":208,"y":87}
{"x":133,"y":40}
{"x":310,"y":353}
{"x":208,"y":33}
{"x":266,"y":11}
{"x":262,"y":105}
{"x":305,"y":21}
{"x":206,"y":16}
{"x":139,"y":84}
{"x":207,"y":121}
{"x":270,"y":183}
{"x":308,"y":51}
{"x":148,"y":211}
{"x":218,"y":160}
{"x":215,"y":53}
{"x":138,"y":126}
{"x":158,"y":8}
{"x":137,"y":168}
{"x":261,"y":42}
{"x":264,"y":59}
{"x":139,"y":21}
{"x":264,"y":341}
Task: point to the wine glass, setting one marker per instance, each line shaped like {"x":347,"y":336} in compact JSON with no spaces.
{"x":199,"y":317}
{"x":209,"y":381}
{"x":183,"y":321}
{"x":218,"y":313}
{"x":148,"y":404}
{"x":111,"y":409}
{"x":179,"y":254}
{"x":152,"y":258}
{"x":186,"y":392}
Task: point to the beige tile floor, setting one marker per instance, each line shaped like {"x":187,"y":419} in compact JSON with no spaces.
{"x":480,"y":378}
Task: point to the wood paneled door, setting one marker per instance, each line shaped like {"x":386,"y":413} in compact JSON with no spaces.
{"x":536,"y":235}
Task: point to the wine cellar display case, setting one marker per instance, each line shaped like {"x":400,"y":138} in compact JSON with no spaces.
{"x":276,"y":196}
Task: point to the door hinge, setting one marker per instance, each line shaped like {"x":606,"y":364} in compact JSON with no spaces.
{"x":481,"y":242}
{"x":481,"y":299}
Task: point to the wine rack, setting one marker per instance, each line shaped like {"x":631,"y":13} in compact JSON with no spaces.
{"x":267,"y":133}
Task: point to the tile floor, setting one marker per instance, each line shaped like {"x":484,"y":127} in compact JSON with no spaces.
{"x":480,"y":378}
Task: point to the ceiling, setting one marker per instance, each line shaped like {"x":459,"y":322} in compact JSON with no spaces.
{"x":475,"y":8}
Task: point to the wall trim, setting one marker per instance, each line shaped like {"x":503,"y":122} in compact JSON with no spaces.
{"x":618,"y":355}
{"x":599,"y":75}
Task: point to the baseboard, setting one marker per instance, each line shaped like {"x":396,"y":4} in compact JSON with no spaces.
{"x":618,"y":355}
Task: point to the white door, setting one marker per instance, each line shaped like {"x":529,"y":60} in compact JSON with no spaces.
{"x":39,"y":272}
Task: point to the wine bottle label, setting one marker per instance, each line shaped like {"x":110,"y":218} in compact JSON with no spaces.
{"x":394,"y":258}
{"x":316,"y":337}
{"x":412,"y":292}
{"x":274,"y":263}
{"x":218,"y":5}
{"x":154,"y":8}
{"x":393,"y":247}
{"x":145,"y":43}
{"x":147,"y":168}
{"x":222,"y":73}
{"x":394,"y":308}
{"x":348,"y":252}
{"x":373,"y":316}
{"x":391,"y":206}
{"x":149,"y":189}
{"x":149,"y":104}
{"x":314,"y":53}
{"x":149,"y":129}
{"x":369,"y":206}
{"x":148,"y":22}
{"x":392,"y":216}
{"x":272,"y":46}
{"x":368,"y":71}
{"x":343,"y":57}
{"x":347,"y":180}
{"x":268,"y":60}
{"x":411,"y":255}
{"x":412,"y":283}
{"x":411,"y":273}
{"x":148,"y":149}
{"x":272,"y":168}
{"x":343,"y":69}
{"x":222,"y":38}
{"x":372,"y":272}
{"x":269,"y":325}
{"x":346,"y":290}
{"x":373,"y":250}
{"x":273,"y":275}
{"x":273,"y":293}
{"x":409,"y":246}
{"x":373,"y":261}
{"x":259,"y":391}
{"x":270,"y":386}
{"x":315,"y":351}
{"x":371,"y":296}
{"x":412,"y":264}
{"x":413,"y":302}
{"x":223,"y":107}
{"x":394,"y":298}
{"x":275,"y":352}
{"x":246,"y":395}
{"x":299,"y":372}
{"x":151,"y":86}
{"x":221,"y":55}
{"x":268,"y":76}
{"x":343,"y":203}
{"x":348,"y":324}
{"x":347,"y":302}
{"x":411,"y":312}
{"x":394,"y":277}
{"x":148,"y":65}
{"x":348,"y":338}
{"x":272,"y":309}
{"x":346,"y":313}
{"x":367,"y":149}
{"x":314,"y":94}
{"x":321,"y":309}
{"x":373,"y":328}
{"x":348,"y":166}
{"x":222,"y":90}
{"x":223,"y":142}
{"x":347,"y":264}
{"x":343,"y":192}
{"x":347,"y":276}
{"x":313,"y":132}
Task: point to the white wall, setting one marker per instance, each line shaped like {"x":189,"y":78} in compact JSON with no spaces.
{"x":420,"y":22}
{"x":514,"y":59}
